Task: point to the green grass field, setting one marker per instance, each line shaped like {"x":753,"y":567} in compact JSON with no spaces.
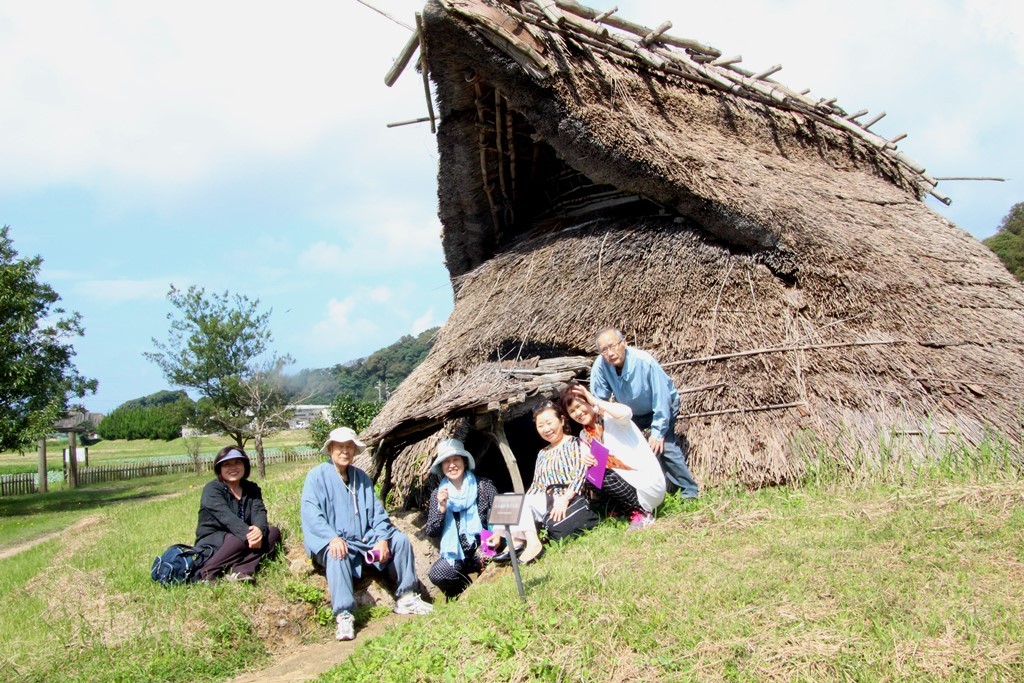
{"x":120,"y":451}
{"x":912,"y":574}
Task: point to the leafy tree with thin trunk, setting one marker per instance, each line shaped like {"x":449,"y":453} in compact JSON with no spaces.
{"x":37,"y":374}
{"x":218,"y":344}
{"x":1008,"y":242}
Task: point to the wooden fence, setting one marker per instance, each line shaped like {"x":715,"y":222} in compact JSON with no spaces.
{"x":18,"y":484}
{"x":21,"y":484}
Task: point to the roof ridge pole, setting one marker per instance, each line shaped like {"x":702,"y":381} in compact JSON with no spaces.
{"x":604,"y":15}
{"x":636,"y":29}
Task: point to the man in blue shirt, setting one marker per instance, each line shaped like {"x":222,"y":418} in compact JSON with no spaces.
{"x":636,"y":379}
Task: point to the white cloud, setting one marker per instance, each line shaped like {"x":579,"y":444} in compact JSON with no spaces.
{"x":120,"y":291}
{"x":424,"y":322}
{"x":323,"y":257}
{"x":342,"y":326}
{"x":130,"y":93}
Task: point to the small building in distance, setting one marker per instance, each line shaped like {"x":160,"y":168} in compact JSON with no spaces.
{"x":305,"y":414}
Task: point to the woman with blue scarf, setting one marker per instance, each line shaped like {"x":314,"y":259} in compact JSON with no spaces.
{"x":458,"y":512}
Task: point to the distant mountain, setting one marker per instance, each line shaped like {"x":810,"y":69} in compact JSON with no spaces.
{"x":366,"y":378}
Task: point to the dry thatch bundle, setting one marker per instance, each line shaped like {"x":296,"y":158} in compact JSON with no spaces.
{"x":776,"y":258}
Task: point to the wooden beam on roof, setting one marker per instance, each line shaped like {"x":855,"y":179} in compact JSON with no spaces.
{"x":873,"y":121}
{"x":402,"y":60}
{"x":656,"y":33}
{"x":423,"y":68}
{"x":945,"y":178}
{"x":380,"y":11}
{"x":551,"y":11}
{"x":396,"y":124}
{"x":725,"y":61}
{"x":634,"y":28}
{"x":767,"y":72}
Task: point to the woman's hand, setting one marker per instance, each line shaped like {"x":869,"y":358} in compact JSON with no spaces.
{"x":337,"y":548}
{"x":587,"y":396}
{"x":254,"y":537}
{"x":384,"y":549}
{"x":559,"y":505}
{"x":442,"y":500}
{"x":588,"y":458}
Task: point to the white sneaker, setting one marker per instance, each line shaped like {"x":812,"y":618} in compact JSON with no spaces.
{"x":411,"y":603}
{"x":346,"y":626}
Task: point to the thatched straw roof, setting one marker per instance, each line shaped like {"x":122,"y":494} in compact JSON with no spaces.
{"x":781,"y":265}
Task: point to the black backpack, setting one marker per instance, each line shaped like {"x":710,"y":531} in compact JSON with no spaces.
{"x":178,"y":564}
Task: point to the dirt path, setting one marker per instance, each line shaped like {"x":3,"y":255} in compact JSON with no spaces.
{"x":310,"y":661}
{"x":81,"y":524}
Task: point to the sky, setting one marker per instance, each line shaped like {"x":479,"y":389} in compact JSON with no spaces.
{"x":242,"y":147}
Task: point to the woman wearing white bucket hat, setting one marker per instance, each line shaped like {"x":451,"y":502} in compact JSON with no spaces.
{"x":457,"y":514}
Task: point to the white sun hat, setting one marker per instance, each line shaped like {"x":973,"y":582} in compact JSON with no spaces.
{"x":447,"y":449}
{"x":341,"y":435}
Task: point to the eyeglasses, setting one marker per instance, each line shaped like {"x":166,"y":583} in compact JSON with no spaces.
{"x":608,"y":347}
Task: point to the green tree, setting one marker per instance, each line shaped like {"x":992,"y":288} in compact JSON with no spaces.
{"x":344,"y":411}
{"x":157,"y":416}
{"x":1008,"y":242}
{"x":366,"y":378}
{"x":218,"y":344}
{"x":37,"y":374}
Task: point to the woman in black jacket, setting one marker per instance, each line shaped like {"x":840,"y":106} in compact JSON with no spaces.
{"x":233,"y":532}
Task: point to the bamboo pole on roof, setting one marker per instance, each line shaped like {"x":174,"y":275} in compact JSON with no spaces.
{"x":878,"y":117}
{"x":396,"y":124}
{"x":499,"y":146}
{"x":752,"y":409}
{"x":634,"y":28}
{"x":767,"y":72}
{"x":551,"y":11}
{"x":656,"y":33}
{"x":382,"y":12}
{"x":604,"y":15}
{"x":588,"y":27}
{"x":944,"y":178}
{"x":725,"y":74}
{"x":783,"y":349}
{"x":402,"y":60}
{"x":725,"y":61}
{"x":424,"y":69}
{"x":481,"y":142}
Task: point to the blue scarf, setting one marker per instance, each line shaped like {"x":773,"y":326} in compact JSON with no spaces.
{"x":463,"y":501}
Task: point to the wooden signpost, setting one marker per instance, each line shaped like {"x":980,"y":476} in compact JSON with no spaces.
{"x":505,"y":512}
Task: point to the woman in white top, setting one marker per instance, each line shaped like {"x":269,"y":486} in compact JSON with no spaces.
{"x":634,"y":479}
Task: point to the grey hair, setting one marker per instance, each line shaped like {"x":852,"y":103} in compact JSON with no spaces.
{"x":617,"y":331}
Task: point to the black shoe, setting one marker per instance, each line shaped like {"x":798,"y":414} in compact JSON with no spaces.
{"x":506,"y":557}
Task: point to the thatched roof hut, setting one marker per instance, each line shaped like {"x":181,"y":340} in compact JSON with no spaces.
{"x":772,"y":252}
